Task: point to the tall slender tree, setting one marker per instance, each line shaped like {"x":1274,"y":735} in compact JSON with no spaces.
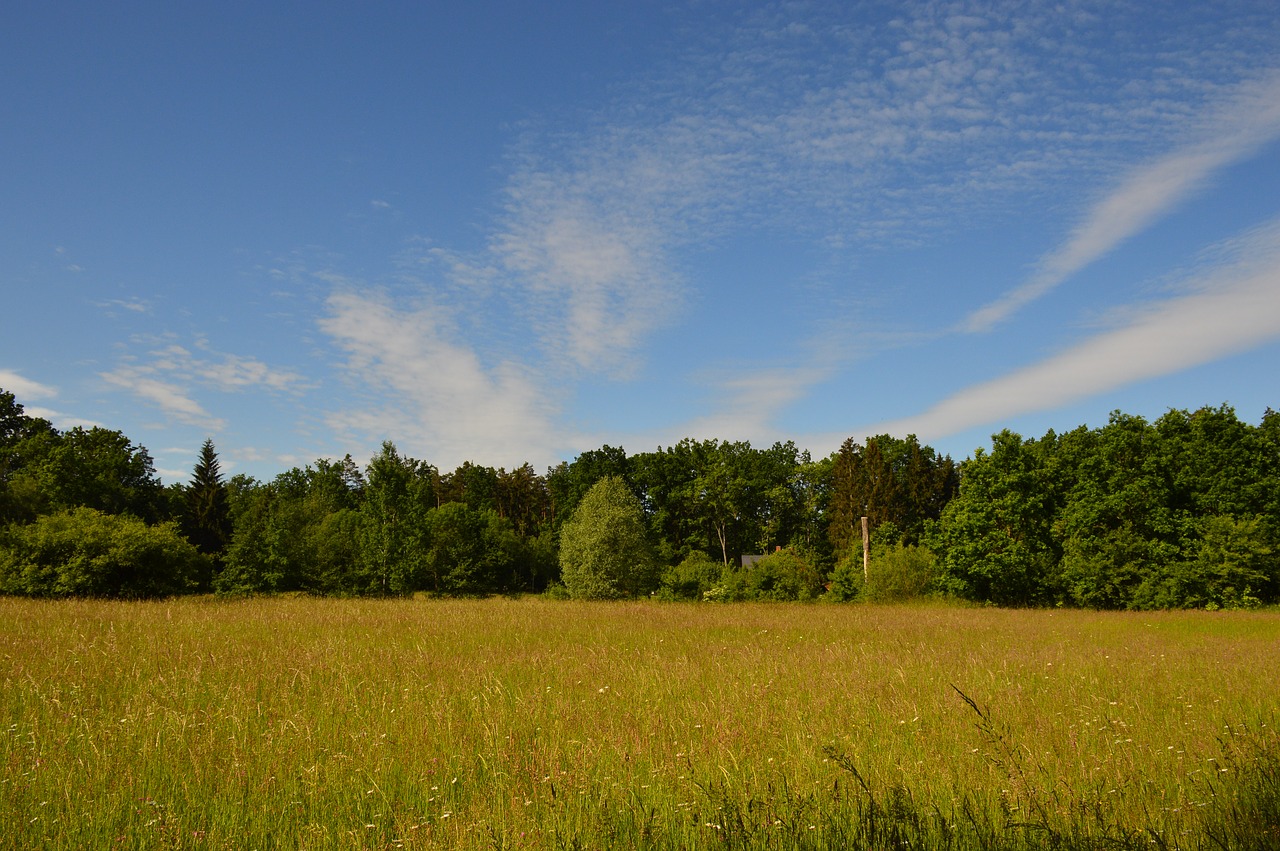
{"x":207,"y":522}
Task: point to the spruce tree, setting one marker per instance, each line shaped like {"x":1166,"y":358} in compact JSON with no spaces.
{"x":207,"y":523}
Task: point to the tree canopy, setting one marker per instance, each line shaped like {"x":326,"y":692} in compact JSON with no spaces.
{"x":1183,"y":511}
{"x":604,"y":548}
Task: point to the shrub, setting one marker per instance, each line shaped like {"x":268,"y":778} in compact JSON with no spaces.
{"x":781,"y":575}
{"x":900,"y":572}
{"x":83,"y":552}
{"x":847,"y":580}
{"x":691,"y":578}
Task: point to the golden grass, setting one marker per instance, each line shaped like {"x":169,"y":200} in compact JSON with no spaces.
{"x":531,"y":723}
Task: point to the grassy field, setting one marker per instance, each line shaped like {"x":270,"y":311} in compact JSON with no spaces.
{"x":306,"y":723}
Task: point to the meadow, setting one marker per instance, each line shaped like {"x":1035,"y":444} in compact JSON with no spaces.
{"x":531,"y":723}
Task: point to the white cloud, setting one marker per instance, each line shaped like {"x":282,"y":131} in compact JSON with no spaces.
{"x":134,"y":305}
{"x":1249,"y":118}
{"x":824,"y":131}
{"x":921,"y":123}
{"x":24,"y":388}
{"x":172,"y":399}
{"x":61,"y":420}
{"x":440,"y":402}
{"x":1228,"y":310}
{"x":747,"y":403}
{"x":171,"y":373}
{"x":599,"y":286}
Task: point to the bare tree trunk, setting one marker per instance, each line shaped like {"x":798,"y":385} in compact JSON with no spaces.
{"x":866,"y":550}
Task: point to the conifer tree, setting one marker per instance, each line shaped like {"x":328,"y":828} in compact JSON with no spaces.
{"x":207,"y":522}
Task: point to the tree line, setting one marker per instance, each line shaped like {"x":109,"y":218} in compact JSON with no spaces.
{"x":1181,"y":512}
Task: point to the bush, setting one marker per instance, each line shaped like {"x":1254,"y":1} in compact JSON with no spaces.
{"x":83,"y":552}
{"x":557,"y":591}
{"x":1229,"y":563}
{"x":692,"y":578}
{"x":847,"y":580}
{"x":900,"y":572}
{"x":781,"y":575}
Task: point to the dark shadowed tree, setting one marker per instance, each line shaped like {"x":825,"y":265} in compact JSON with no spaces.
{"x":97,"y":468}
{"x":889,"y":480}
{"x":206,"y":521}
{"x":568,"y":483}
{"x":22,"y":438}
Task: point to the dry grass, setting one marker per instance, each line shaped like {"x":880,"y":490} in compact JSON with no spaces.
{"x":535,"y":724}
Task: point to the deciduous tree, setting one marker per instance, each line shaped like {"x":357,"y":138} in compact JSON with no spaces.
{"x":604,"y":548}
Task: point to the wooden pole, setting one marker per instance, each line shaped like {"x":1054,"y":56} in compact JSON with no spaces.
{"x":866,"y":550}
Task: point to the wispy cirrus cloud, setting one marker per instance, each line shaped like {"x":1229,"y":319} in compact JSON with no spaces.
{"x":1223,"y":311}
{"x":854,"y":127}
{"x":1245,"y":121}
{"x":747,"y":402}
{"x":433,"y":392}
{"x":173,"y":400}
{"x":24,"y":388}
{"x":880,"y":126}
{"x":169,"y":375}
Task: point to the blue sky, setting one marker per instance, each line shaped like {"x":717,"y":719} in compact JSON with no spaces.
{"x":507,"y":232}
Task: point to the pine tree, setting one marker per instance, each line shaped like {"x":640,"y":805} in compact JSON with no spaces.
{"x":207,"y":523}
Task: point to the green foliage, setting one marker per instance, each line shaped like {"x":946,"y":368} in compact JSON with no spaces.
{"x":470,"y":551}
{"x":604,"y":548}
{"x":781,"y":575}
{"x":523,"y":500}
{"x":207,"y":521}
{"x":1230,"y":564}
{"x":23,"y":439}
{"x":900,"y":572}
{"x":568,"y":483}
{"x":96,"y":467}
{"x":82,"y":552}
{"x":995,"y":539}
{"x":298,"y":533}
{"x":847,"y":579}
{"x":692,"y":578}
{"x":557,"y":591}
{"x":726,"y":498}
{"x":889,"y":480}
{"x":1182,"y":513}
{"x":397,"y":495}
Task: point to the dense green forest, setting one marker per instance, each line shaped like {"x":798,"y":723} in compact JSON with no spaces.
{"x":1181,"y":512}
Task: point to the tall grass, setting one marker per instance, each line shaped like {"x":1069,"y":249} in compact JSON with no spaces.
{"x":302,"y":723}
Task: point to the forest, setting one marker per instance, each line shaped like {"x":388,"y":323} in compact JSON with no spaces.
{"x":1182,"y":512}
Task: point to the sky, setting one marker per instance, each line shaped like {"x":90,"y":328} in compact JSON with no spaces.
{"x":507,"y":232}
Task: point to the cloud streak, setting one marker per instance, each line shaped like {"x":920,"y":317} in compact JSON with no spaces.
{"x":25,"y":388}
{"x":173,"y":400}
{"x":1247,"y":120}
{"x":854,"y":128}
{"x":172,"y":372}
{"x":1226,"y":311}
